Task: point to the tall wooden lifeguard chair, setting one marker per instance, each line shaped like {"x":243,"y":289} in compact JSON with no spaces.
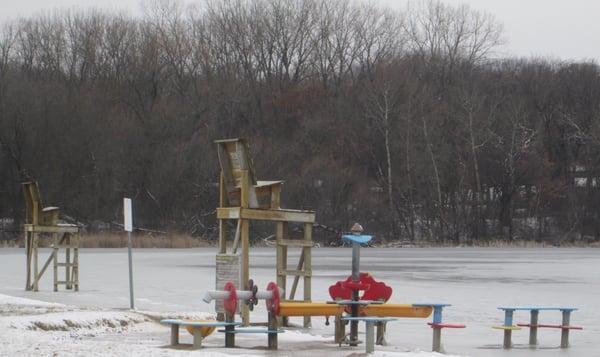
{"x":45,"y":220}
{"x":243,"y":198}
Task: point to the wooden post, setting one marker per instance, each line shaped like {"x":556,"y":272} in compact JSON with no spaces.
{"x":245,"y":267}
{"x":307,"y":269}
{"x":174,"y":334}
{"x":533,"y":327}
{"x":272,"y":336}
{"x":28,"y":257}
{"x":229,"y":335}
{"x":35,"y":261}
{"x":281,"y":262}
{"x":245,"y":236}
{"x":75,"y":275}
{"x":340,"y":330}
{"x":566,"y":321}
{"x":222,"y":225}
{"x":281,"y":234}
{"x":55,"y":259}
{"x":381,"y":326}
{"x":68,"y":246}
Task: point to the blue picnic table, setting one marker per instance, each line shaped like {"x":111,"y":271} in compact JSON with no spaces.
{"x":508,"y":327}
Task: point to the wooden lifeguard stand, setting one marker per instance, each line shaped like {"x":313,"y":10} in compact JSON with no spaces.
{"x":40,"y":220}
{"x":243,"y":198}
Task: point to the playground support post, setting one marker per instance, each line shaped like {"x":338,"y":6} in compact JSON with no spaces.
{"x":533,"y":327}
{"x":566,"y":321}
{"x":229,"y":335}
{"x":508,"y":321}
{"x":355,"y":278}
{"x":272,"y":326}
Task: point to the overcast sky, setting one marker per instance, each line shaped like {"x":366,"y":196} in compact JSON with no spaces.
{"x":566,"y":29}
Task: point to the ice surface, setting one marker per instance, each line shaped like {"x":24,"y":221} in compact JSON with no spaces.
{"x":171,"y":283}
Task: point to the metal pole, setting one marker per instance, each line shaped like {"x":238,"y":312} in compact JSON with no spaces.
{"x":533,"y":322}
{"x":355,"y":278}
{"x":131,"y":304}
{"x":566,"y":321}
{"x":128,"y":226}
{"x":370,"y":338}
{"x":356,"y":229}
{"x":508,"y":322}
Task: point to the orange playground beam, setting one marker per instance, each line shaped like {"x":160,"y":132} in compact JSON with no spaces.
{"x":309,"y":309}
{"x":396,"y":310}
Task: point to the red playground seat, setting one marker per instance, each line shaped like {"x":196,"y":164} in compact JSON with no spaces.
{"x":372,"y":289}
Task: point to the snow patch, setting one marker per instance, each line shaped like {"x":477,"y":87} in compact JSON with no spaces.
{"x":73,"y":320}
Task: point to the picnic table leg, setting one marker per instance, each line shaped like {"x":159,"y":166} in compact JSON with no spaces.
{"x":380,"y":340}
{"x":174,"y":334}
{"x":437,"y":339}
{"x":437,"y":331}
{"x":508,"y":321}
{"x":229,"y":335}
{"x":197,"y":338}
{"x":533,"y":330}
{"x":564,"y":336}
{"x":370,"y":340}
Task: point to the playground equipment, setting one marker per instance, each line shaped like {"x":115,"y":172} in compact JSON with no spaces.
{"x":243,"y":198}
{"x":360,"y":298}
{"x":40,"y":220}
{"x":533,"y":324}
{"x":371,"y":306}
{"x":230,"y":297}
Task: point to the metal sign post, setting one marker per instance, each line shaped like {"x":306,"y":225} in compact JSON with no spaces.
{"x":128,"y":226}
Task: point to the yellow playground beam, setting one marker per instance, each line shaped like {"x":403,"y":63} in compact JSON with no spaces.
{"x":309,"y":309}
{"x":325,"y":309}
{"x":396,"y":310}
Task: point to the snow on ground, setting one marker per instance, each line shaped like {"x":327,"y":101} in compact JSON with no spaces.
{"x":63,"y":330}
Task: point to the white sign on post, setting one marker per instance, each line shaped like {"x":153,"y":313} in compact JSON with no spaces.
{"x":128,"y":220}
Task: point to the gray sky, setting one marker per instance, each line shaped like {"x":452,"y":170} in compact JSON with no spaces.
{"x":566,"y":29}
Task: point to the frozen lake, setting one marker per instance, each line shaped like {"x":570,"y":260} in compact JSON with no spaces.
{"x":475,"y":281}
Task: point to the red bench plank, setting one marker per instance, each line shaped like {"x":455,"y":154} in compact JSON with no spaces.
{"x":434,"y":325}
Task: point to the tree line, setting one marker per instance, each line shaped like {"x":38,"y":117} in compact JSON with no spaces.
{"x":404,"y":120}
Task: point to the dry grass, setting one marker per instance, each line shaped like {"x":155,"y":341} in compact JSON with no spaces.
{"x":141,"y":241}
{"x":119,"y":240}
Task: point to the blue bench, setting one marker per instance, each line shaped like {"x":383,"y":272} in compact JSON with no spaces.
{"x":370,"y":328}
{"x":175,"y":324}
{"x":533,"y":324}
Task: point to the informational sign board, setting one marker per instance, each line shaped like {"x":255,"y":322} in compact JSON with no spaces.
{"x":127,"y":215}
{"x":229,"y":268}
